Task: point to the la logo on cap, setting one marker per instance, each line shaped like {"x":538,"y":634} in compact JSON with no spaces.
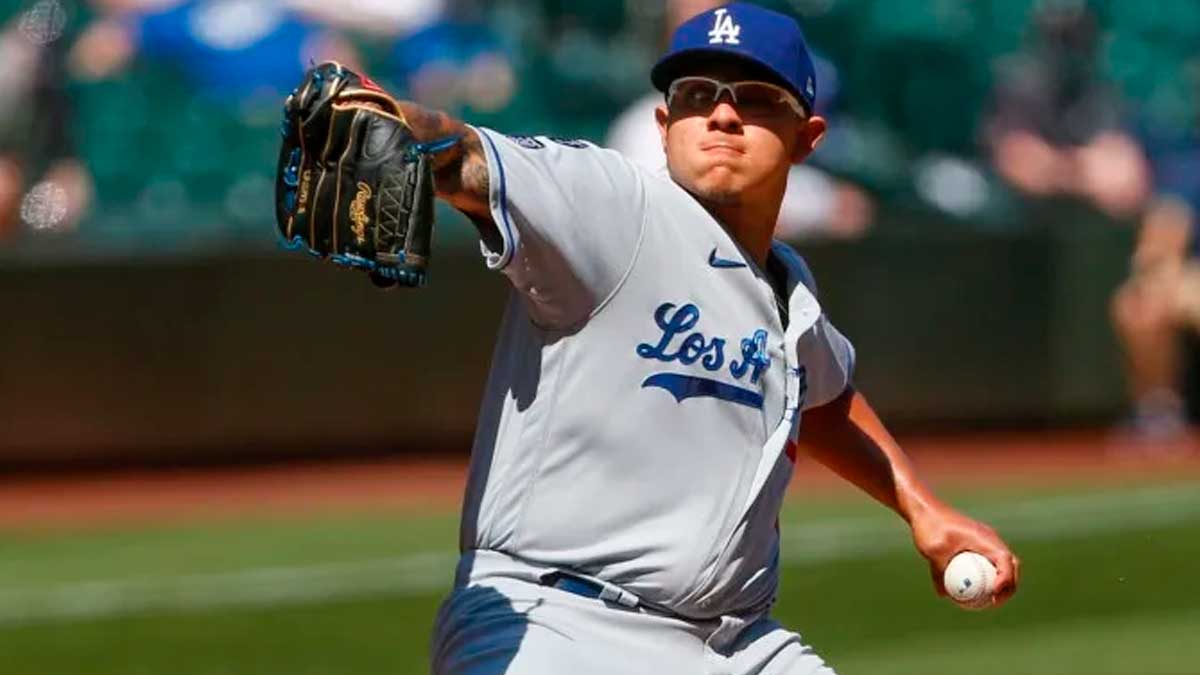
{"x":724,"y":29}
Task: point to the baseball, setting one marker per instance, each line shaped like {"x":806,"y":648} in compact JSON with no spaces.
{"x":970,"y":580}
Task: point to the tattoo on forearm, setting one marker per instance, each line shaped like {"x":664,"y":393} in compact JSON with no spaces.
{"x":461,"y":172}
{"x":474,"y":172}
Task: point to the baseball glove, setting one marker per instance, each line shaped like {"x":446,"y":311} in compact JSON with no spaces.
{"x":353,"y":184}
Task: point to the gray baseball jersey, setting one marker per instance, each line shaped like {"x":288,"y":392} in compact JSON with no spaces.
{"x":645,"y":393}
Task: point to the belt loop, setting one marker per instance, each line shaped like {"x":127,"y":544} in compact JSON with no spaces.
{"x":602,"y":589}
{"x":611,"y":593}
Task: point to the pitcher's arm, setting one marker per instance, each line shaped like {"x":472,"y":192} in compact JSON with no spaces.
{"x":848,"y":437}
{"x":461,"y":171}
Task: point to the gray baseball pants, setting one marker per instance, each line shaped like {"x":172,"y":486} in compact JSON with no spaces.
{"x":498,"y":625}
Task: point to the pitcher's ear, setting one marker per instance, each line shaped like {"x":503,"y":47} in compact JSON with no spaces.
{"x":809,"y":136}
{"x":663,"y":117}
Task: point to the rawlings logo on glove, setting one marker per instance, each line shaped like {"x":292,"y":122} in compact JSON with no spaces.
{"x":358,"y":213}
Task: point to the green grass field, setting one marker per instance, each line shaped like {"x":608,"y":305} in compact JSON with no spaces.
{"x":1108,"y":589}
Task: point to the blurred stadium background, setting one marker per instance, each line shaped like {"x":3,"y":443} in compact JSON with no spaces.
{"x":201,"y":472}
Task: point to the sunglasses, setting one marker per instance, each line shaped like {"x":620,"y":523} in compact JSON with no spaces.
{"x":756,"y":99}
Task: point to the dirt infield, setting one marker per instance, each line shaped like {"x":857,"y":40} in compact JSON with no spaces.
{"x":435,"y":485}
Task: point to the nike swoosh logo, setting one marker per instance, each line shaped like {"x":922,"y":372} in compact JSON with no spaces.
{"x":723,"y":263}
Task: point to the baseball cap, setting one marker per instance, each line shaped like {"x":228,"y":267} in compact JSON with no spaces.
{"x":766,"y":40}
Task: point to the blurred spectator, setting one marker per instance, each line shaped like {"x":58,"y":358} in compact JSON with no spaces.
{"x":42,"y":184}
{"x":456,"y":63}
{"x":196,"y":86}
{"x":816,"y":204}
{"x":226,"y":48}
{"x":1160,"y":302}
{"x":1055,"y":127}
{"x":378,"y":18}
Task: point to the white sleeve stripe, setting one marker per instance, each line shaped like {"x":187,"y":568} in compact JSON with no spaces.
{"x":504,"y":223}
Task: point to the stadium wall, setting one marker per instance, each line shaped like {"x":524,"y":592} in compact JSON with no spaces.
{"x":207,"y":359}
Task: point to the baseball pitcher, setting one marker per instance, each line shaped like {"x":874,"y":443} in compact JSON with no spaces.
{"x":657,"y":361}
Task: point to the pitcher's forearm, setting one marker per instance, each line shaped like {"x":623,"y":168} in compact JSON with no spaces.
{"x":461,"y":171}
{"x":848,"y":437}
